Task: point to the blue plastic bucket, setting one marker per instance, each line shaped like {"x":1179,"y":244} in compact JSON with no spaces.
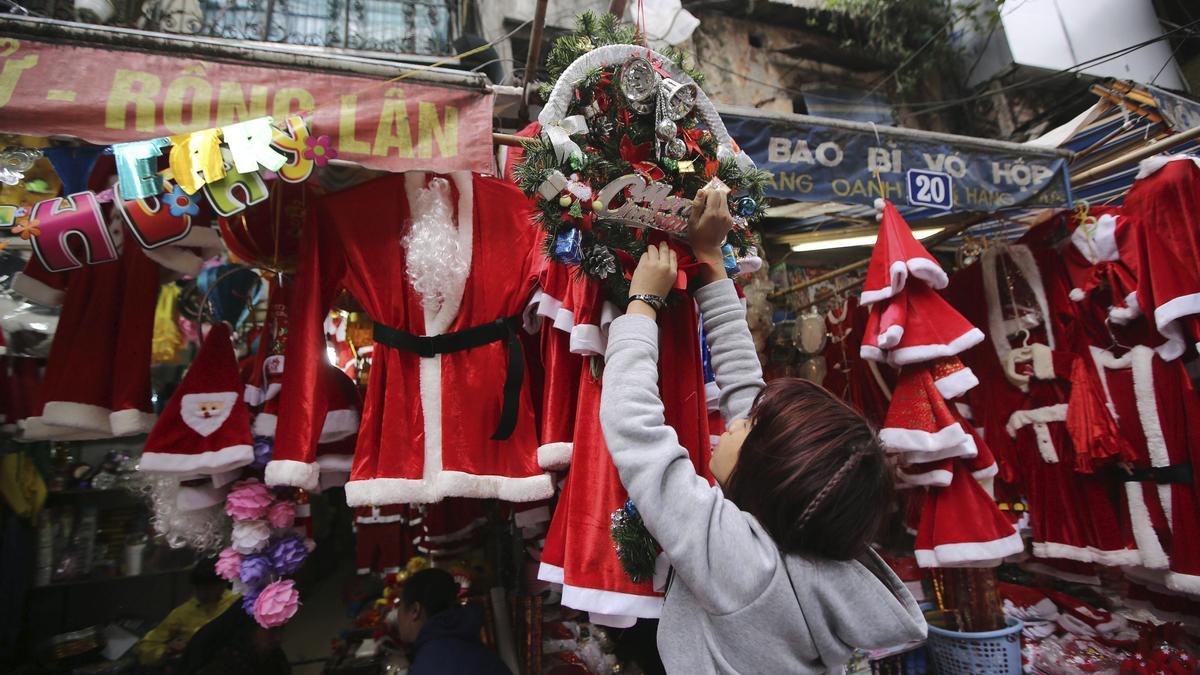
{"x":996,"y":652}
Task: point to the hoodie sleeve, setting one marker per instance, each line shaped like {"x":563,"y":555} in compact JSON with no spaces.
{"x":723,"y":554}
{"x":734,"y":359}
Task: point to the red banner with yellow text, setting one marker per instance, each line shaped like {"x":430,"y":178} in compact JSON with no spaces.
{"x":108,"y":96}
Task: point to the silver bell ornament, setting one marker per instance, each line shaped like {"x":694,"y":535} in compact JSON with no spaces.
{"x":679,"y":98}
{"x":676,"y":149}
{"x":666,"y":129}
{"x":638,"y":80}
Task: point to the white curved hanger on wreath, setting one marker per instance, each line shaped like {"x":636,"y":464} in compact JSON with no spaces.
{"x":556,"y":124}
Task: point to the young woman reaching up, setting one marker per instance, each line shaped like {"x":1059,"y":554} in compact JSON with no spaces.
{"x":773,"y":572}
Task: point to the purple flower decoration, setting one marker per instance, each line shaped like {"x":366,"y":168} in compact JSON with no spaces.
{"x":256,"y":571}
{"x":249,"y":599}
{"x":262,"y":452}
{"x":288,"y":554}
{"x":181,"y":203}
{"x":319,"y":150}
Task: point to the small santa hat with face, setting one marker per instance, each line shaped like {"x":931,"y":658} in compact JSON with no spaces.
{"x":205,"y":428}
{"x":896,"y":255}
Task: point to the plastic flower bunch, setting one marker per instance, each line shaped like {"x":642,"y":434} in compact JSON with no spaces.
{"x":266,"y":547}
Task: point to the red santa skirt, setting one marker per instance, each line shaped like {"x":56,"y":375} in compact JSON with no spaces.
{"x":579,"y":552}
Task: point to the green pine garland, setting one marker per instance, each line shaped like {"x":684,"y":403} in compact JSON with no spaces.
{"x":601,"y":160}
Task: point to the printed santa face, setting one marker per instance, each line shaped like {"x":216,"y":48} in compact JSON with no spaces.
{"x":206,"y":412}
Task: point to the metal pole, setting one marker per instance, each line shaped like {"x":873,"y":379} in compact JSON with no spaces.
{"x":1137,"y":155}
{"x":933,"y":240}
{"x":509,"y":139}
{"x":534,"y":56}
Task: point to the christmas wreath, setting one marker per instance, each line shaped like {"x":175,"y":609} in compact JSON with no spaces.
{"x":627,"y":139}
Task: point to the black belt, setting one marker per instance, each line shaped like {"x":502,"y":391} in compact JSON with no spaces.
{"x":1163,"y":475}
{"x":505,"y":329}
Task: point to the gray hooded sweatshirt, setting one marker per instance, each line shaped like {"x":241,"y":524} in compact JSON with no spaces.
{"x":737,"y":604}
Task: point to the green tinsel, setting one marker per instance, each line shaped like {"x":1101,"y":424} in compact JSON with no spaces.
{"x":636,"y":549}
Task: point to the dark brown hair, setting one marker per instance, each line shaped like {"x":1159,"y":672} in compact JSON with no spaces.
{"x":812,"y":471}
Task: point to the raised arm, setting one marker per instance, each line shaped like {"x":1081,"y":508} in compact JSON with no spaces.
{"x":734,"y":359}
{"x":721,"y":553}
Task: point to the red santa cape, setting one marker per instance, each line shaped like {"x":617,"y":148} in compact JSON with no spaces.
{"x":205,"y":427}
{"x":1165,"y":203}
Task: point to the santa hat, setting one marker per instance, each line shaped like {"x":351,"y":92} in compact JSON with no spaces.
{"x":919,"y":421}
{"x":1080,"y":618}
{"x":896,"y":255}
{"x":952,"y":378}
{"x":1025,"y":603}
{"x":961,"y":526}
{"x":205,"y":428}
{"x":341,"y":415}
{"x":927,"y":328}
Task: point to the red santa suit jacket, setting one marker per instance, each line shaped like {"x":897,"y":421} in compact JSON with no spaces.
{"x":427,"y":420}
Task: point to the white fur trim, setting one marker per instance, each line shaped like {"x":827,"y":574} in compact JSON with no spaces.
{"x":1147,"y":407}
{"x":612,"y":620}
{"x":176,"y":257}
{"x":1039,"y":418}
{"x":335,"y":463}
{"x":957,"y":383}
{"x":1131,"y":310}
{"x":964,"y":410}
{"x":207,"y":425}
{"x":970,"y":553}
{"x":1043,"y":362}
{"x":986,"y":473}
{"x":1150,"y":548}
{"x":292,"y":473}
{"x":890,"y":337}
{"x":376,"y":491}
{"x":555,"y":456}
{"x":78,"y":416}
{"x":1183,"y":583}
{"x":214,"y":461}
{"x":928,"y":271}
{"x":1150,"y":165}
{"x":964,"y":450}
{"x":935,"y":478}
{"x":1086,"y":554}
{"x":253,"y":396}
{"x":1098,"y":243}
{"x":913,"y":440}
{"x":532,"y":517}
{"x":264,"y":425}
{"x":550,"y":573}
{"x":1025,"y":263}
{"x":37,"y":291}
{"x":872,"y":354}
{"x":1173,"y":310}
{"x":909,"y":355}
{"x":897,"y":276}
{"x":339,"y":424}
{"x":1076,"y":295}
{"x":1102,"y":360}
{"x":611,"y":604}
{"x":131,"y":422}
{"x":36,"y":429}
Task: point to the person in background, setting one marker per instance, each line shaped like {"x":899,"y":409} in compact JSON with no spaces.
{"x":169,"y":638}
{"x":234,"y":644}
{"x":444,"y":634}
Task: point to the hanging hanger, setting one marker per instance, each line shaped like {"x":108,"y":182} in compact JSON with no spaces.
{"x":1114,"y":345}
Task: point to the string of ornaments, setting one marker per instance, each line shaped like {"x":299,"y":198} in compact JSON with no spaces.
{"x":624,"y":147}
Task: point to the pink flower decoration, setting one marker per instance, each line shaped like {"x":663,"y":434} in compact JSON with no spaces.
{"x":281,"y":515}
{"x":248,"y":500}
{"x":319,"y":149}
{"x":276,"y":604}
{"x":229,"y":564}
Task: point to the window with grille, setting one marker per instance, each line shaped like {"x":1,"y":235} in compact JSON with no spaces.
{"x":396,"y":26}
